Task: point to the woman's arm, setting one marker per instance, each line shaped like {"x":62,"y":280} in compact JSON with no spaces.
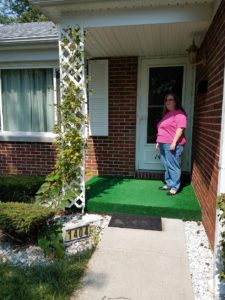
{"x":178,"y":134}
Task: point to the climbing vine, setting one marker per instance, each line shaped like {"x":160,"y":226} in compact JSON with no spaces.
{"x":221,"y":206}
{"x":63,"y":186}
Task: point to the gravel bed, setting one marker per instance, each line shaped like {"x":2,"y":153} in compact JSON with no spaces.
{"x":30,"y":255}
{"x":200,"y":259}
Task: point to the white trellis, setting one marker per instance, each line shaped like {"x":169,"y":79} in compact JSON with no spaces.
{"x":72,"y":69}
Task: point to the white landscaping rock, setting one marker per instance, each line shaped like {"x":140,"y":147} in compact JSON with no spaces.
{"x":200,"y":259}
{"x":31,"y":255}
{"x":98,"y":221}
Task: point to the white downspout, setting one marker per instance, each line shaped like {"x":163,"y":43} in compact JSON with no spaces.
{"x":219,"y":287}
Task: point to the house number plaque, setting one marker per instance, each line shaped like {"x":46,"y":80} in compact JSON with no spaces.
{"x":77,"y":233}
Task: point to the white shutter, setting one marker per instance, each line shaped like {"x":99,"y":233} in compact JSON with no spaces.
{"x":98,"y":100}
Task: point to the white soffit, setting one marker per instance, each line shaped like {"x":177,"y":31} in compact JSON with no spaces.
{"x":82,"y":5}
{"x":94,"y":13}
{"x":144,"y":40}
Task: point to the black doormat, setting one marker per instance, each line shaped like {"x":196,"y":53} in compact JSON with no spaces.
{"x":136,"y":222}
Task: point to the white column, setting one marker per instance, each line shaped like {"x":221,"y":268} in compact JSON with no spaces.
{"x":219,"y":286}
{"x":72,"y":69}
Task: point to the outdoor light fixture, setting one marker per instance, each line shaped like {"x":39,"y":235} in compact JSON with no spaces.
{"x":193,"y":54}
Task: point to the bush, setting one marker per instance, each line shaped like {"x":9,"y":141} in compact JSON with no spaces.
{"x":19,"y":188}
{"x":24,"y":221}
{"x":221,"y":206}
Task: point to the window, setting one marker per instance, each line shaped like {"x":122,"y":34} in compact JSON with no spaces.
{"x":162,"y":80}
{"x":27,"y":100}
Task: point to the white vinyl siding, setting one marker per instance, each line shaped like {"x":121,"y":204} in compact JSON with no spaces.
{"x":98,"y":99}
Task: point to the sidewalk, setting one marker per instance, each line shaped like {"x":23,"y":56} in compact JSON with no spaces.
{"x":139,"y":265}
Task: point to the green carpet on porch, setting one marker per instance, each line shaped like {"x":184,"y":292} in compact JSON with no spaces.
{"x":141,"y":197}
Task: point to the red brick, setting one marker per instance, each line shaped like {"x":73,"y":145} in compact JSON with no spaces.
{"x":26,"y":158}
{"x":207,"y":122}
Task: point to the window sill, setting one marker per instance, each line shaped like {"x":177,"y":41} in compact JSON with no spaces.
{"x":44,"y":137}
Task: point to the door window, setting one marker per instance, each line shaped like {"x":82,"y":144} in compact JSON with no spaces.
{"x":162,"y":80}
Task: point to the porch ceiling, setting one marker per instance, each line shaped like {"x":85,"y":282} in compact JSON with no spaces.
{"x":144,"y":40}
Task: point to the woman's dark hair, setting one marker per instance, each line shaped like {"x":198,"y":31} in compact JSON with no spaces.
{"x":177,"y":101}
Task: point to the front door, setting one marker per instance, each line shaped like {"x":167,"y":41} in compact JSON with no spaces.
{"x":155,"y":81}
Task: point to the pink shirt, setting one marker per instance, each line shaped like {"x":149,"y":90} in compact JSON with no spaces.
{"x":168,"y":125}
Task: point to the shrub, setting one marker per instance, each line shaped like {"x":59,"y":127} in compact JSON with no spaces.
{"x":19,"y":188}
{"x":51,"y":241}
{"x":221,"y":206}
{"x":24,"y":221}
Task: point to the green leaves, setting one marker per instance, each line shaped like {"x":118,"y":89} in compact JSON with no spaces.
{"x":19,"y":11}
{"x":59,"y":189}
{"x":50,"y":240}
{"x":221,"y":206}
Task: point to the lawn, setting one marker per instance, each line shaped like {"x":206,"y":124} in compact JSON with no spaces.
{"x":57,"y":281}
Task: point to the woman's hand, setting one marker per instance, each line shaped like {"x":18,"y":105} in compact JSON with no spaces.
{"x":157,"y":146}
{"x":172,"y":146}
{"x":178,"y":134}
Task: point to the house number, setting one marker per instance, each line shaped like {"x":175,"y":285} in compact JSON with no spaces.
{"x":77,"y":233}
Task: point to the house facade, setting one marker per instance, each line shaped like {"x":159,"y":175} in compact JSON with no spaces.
{"x":28,"y":52}
{"x":135,"y":52}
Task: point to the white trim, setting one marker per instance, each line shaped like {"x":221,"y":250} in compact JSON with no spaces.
{"x":106,"y":4}
{"x":215,"y":7}
{"x":221,"y":163}
{"x":28,"y":66}
{"x":55,"y":93}
{"x":1,"y":113}
{"x":187,"y":97}
{"x":219,"y":286}
{"x":137,"y":112}
{"x":138,"y":16}
{"x":17,"y":136}
{"x":47,"y":39}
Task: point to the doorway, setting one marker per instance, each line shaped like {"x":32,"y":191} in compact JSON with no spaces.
{"x":156,"y":79}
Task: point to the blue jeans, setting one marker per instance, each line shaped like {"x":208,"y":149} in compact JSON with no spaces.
{"x":171,"y":160}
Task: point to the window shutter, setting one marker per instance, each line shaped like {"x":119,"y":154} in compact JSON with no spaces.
{"x":98,"y":99}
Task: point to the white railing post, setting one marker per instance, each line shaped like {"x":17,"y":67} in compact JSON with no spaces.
{"x":72,"y":68}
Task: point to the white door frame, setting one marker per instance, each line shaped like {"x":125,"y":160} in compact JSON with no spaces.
{"x":187,"y":101}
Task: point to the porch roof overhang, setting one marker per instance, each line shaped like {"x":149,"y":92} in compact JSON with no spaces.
{"x":102,"y":13}
{"x":134,"y":27}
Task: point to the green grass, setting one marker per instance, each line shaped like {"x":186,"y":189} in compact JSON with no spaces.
{"x":57,"y":281}
{"x":141,"y":197}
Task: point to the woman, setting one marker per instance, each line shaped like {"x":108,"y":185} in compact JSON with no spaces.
{"x":171,"y":141}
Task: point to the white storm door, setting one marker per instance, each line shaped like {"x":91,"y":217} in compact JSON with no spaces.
{"x":156,"y":82}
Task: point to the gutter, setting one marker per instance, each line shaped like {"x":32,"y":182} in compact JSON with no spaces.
{"x":29,"y":40}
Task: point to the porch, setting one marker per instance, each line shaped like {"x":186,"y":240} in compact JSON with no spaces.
{"x":105,"y":194}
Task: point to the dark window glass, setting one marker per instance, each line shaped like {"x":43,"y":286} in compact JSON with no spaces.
{"x":162,"y":80}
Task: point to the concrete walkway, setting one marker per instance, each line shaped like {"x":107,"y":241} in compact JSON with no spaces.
{"x":139,"y":265}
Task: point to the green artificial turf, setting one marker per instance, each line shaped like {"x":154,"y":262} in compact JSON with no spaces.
{"x":140,"y":196}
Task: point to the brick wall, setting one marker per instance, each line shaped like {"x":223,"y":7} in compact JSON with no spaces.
{"x":26,"y":158}
{"x":207,"y":120}
{"x":115,"y":154}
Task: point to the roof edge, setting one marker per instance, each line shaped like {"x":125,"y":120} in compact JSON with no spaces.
{"x":30,"y":39}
